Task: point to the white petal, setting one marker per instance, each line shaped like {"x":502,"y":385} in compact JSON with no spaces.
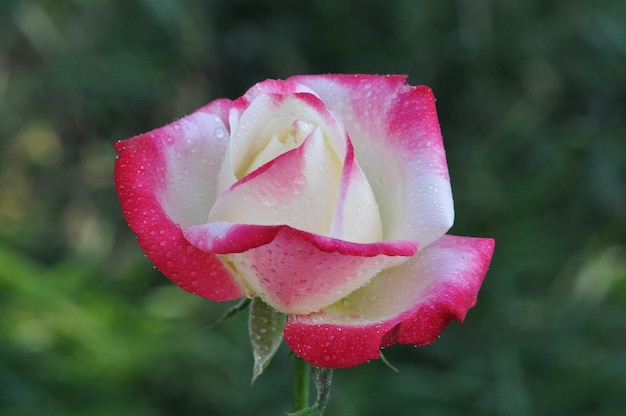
{"x":298,"y":188}
{"x":357,"y":217}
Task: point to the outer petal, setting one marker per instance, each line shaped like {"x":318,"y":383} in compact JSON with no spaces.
{"x":294,"y":271}
{"x":408,"y":304}
{"x":397,"y":141}
{"x":165,"y":179}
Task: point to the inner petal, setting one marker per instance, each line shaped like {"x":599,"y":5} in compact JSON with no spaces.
{"x":357,"y":217}
{"x":298,"y":188}
{"x":274,"y":124}
{"x":282,"y":141}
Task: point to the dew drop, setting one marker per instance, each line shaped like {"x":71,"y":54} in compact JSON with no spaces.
{"x":220,"y":133}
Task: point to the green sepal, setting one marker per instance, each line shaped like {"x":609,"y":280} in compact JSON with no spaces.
{"x":265,"y":326}
{"x":387,"y":363}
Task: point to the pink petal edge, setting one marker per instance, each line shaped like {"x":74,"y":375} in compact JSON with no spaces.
{"x":140,"y":176}
{"x":294,"y":271}
{"x":326,"y":343}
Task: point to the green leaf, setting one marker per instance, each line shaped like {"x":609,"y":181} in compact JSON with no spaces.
{"x":265,"y":326}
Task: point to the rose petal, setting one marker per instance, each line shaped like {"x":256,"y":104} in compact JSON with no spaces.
{"x":275,"y":87}
{"x":269,"y":86}
{"x":193,"y":148}
{"x":397,"y":141}
{"x":298,"y":188}
{"x":164,"y":179}
{"x":294,"y":271}
{"x":408,"y":304}
{"x":356,"y":217}
{"x":271,"y":115}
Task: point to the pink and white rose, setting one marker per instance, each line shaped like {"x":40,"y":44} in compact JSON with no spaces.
{"x":326,"y":196}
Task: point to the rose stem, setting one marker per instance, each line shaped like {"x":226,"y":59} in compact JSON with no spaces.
{"x":301,"y":384}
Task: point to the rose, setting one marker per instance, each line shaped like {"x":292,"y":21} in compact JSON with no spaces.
{"x":328,"y":197}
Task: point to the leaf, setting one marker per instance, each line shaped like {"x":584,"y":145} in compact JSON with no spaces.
{"x":265,"y":326}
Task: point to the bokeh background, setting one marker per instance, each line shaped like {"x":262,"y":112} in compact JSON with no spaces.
{"x":532,"y":103}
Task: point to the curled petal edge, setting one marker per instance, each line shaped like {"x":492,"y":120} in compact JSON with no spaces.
{"x":295,"y":271}
{"x":140,"y":177}
{"x":333,"y":342}
{"x":226,"y":238}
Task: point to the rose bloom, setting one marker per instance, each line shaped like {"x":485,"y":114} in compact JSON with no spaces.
{"x":326,"y":196}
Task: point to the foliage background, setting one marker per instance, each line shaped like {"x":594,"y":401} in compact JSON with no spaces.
{"x":532,"y":102}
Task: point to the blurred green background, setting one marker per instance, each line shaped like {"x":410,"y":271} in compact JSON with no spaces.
{"x":532,"y":103}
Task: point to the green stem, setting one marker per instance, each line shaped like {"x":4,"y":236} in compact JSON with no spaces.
{"x":301,"y":384}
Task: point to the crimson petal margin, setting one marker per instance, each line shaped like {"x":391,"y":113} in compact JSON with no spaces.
{"x":439,"y":284}
{"x":141,"y":178}
{"x":295,"y":271}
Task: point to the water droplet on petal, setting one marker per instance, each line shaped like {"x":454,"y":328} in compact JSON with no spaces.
{"x":220,"y":133}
